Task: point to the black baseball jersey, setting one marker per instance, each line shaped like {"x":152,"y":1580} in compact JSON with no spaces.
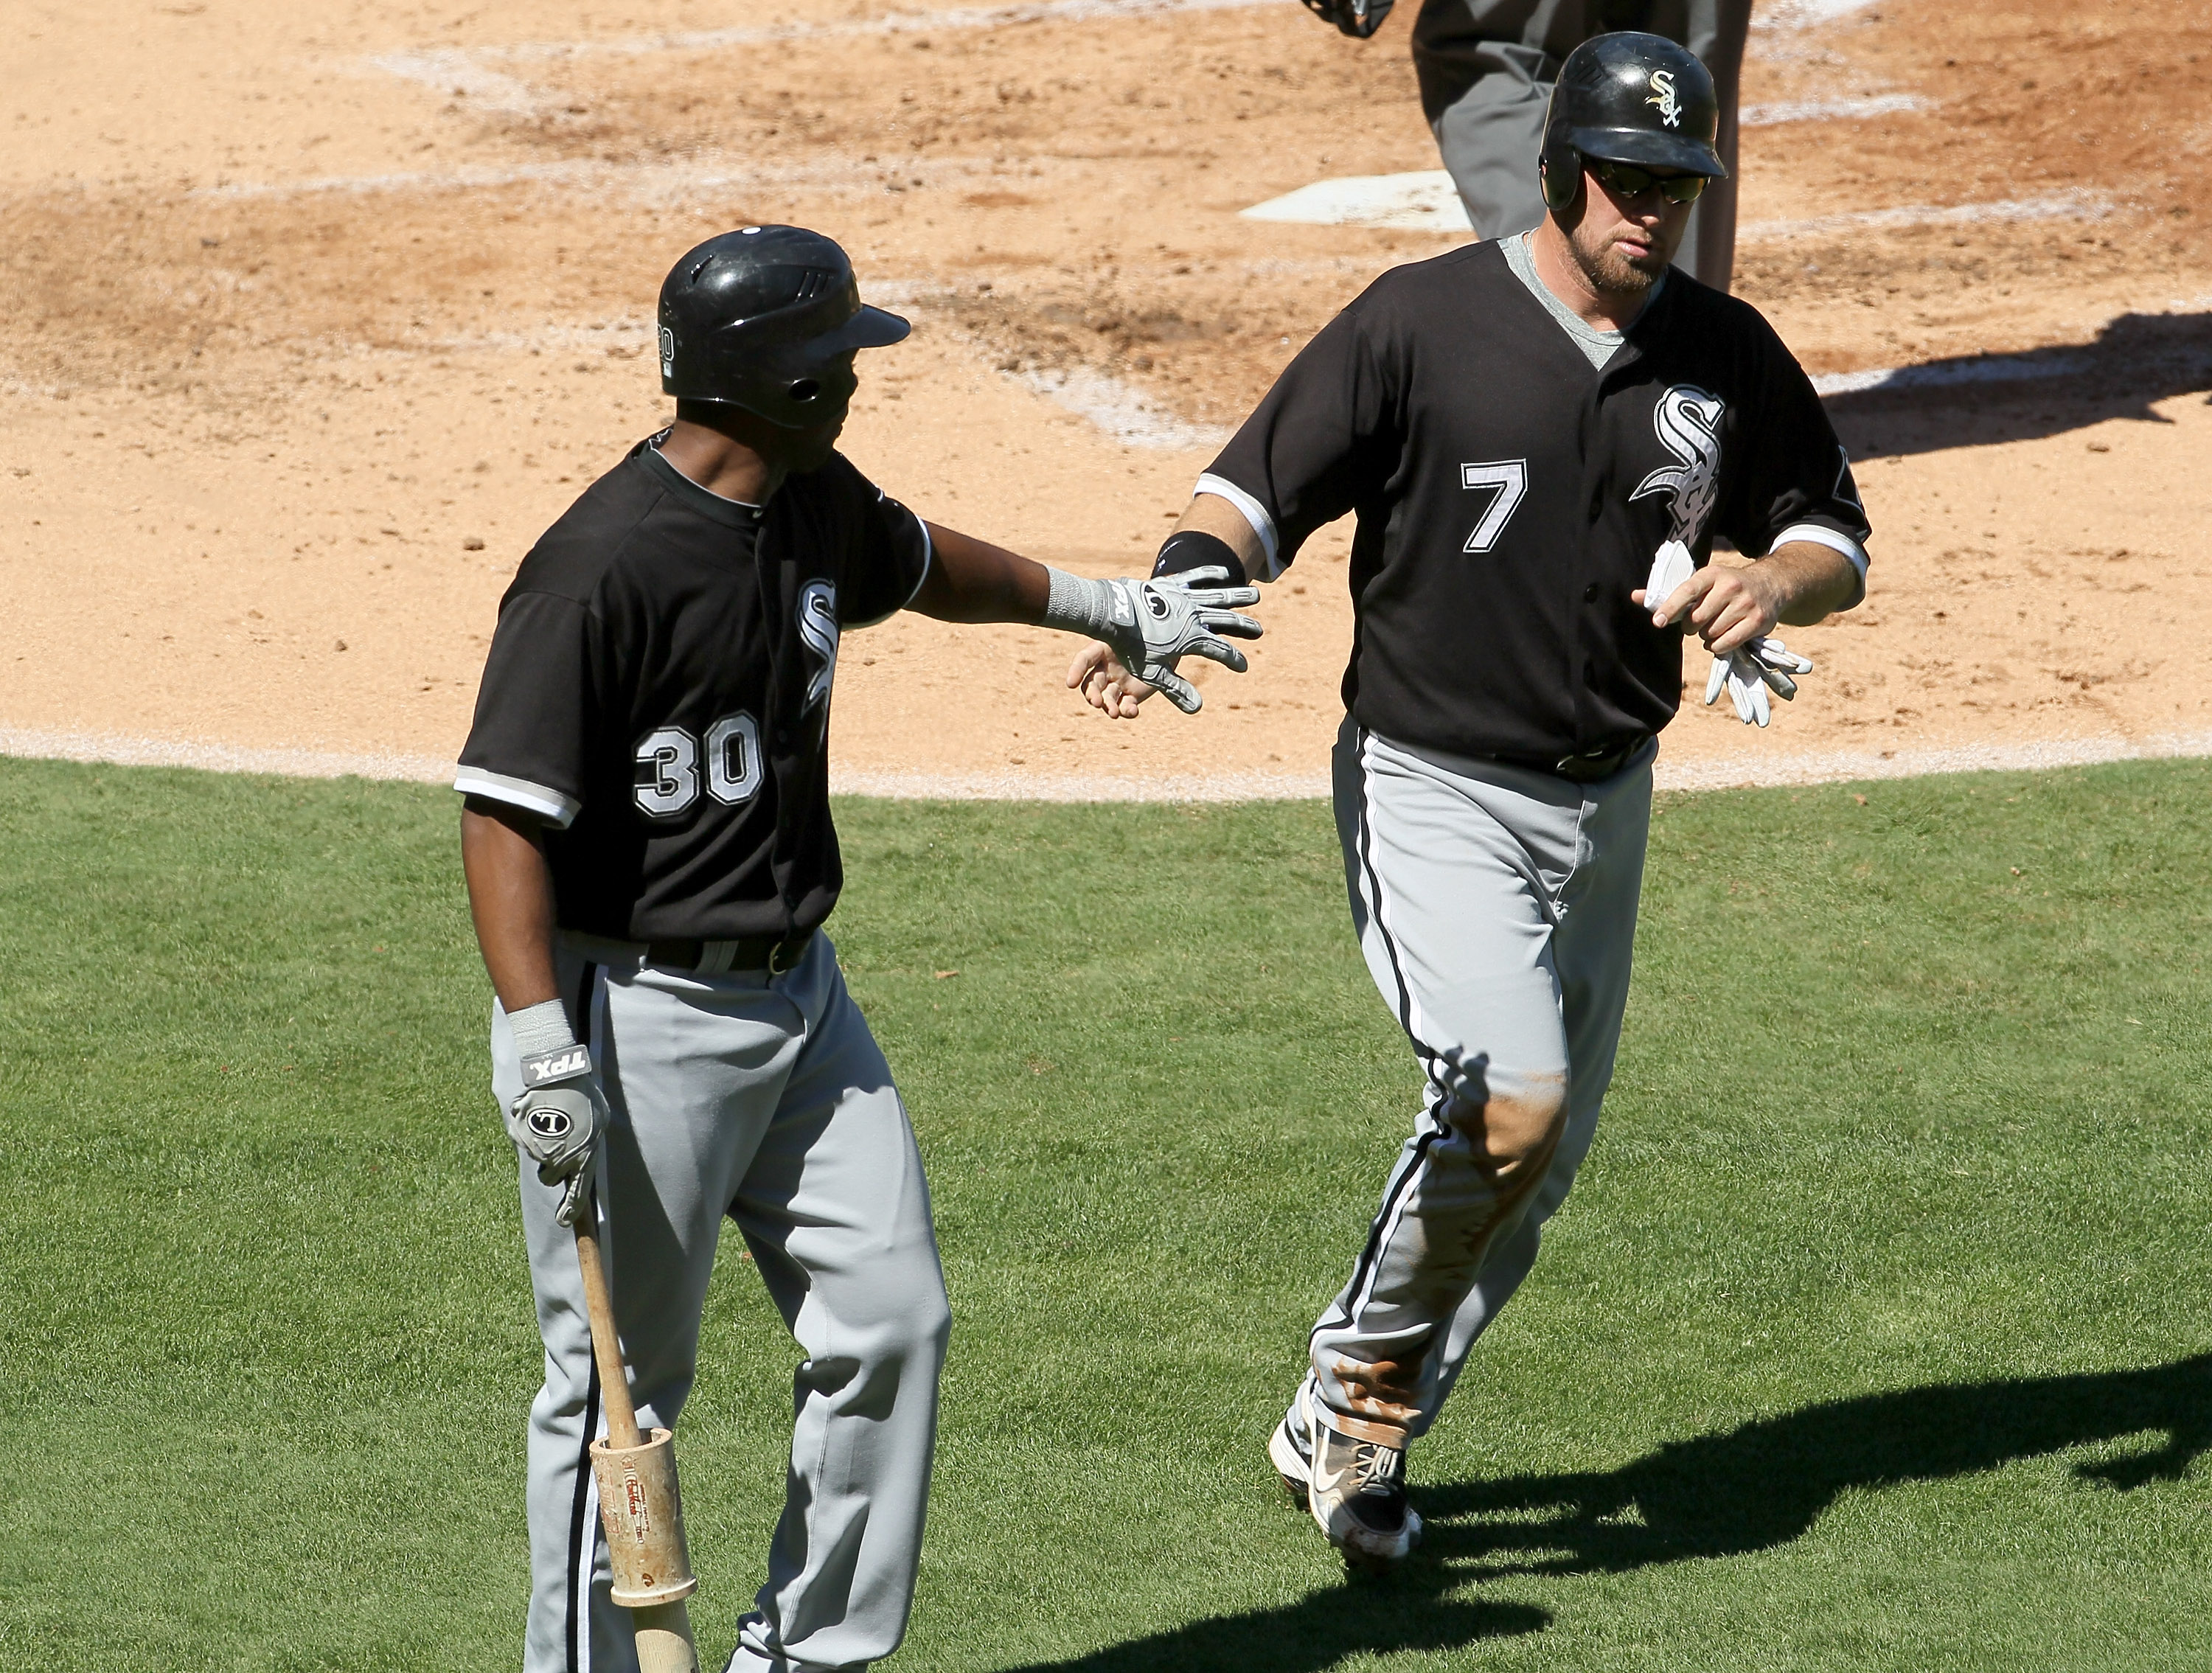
{"x":657,"y":691}
{"x":1511,"y":497}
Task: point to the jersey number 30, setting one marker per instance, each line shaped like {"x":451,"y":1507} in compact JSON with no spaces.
{"x":1507,"y":481}
{"x":668,"y":766}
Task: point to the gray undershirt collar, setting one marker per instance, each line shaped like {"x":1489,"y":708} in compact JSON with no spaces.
{"x":1597,"y":346}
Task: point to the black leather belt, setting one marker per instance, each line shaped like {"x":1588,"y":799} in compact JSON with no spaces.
{"x":773,"y":953}
{"x":1586,"y":767}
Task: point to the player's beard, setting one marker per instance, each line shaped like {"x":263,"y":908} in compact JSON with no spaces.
{"x":1608,"y":269}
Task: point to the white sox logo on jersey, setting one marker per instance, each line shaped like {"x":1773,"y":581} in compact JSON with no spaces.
{"x":818,"y":627}
{"x":1688,"y":422}
{"x":1663,"y":96}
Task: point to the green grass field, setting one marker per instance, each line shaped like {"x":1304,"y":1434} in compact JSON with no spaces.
{"x":1874,"y":1337}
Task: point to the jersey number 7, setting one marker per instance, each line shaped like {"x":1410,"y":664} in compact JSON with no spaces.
{"x":1508,"y":481}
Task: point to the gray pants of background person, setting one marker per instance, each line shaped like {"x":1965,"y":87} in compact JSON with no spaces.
{"x":764,"y":1100}
{"x":1486,"y":67}
{"x":1497,"y":909}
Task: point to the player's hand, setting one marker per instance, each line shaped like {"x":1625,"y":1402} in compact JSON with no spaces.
{"x":1746,"y":673}
{"x":557,"y":1122}
{"x":1728,"y":608}
{"x":1106,"y":685}
{"x":1158,"y":623}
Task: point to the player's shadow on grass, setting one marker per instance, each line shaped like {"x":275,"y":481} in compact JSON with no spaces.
{"x":1972,"y":400}
{"x":1748,"y":1489}
{"x":1762,"y":1485}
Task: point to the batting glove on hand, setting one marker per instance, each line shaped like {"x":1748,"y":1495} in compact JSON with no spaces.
{"x":559,"y":1117}
{"x":1150,"y":624}
{"x":1747,"y":672}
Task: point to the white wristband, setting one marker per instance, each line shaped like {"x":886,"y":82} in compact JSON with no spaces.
{"x":1076,"y":605}
{"x":540,"y":1028}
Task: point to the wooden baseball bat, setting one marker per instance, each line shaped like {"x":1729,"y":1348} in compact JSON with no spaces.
{"x":641,"y":1505}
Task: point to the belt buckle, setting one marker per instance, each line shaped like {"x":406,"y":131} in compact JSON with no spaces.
{"x":1590,"y":766}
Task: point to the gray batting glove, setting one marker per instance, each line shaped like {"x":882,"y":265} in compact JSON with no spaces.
{"x":1152,"y":624}
{"x":558,"y":1118}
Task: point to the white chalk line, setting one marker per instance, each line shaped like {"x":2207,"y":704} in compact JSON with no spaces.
{"x":1843,"y":766}
{"x":891,"y":23}
{"x":2072,"y":204}
{"x":117,"y":750}
{"x":1118,"y":410}
{"x":1793,"y":14}
{"x":644,"y":182}
{"x":466,"y":70}
{"x":459,"y":72}
{"x":1071,"y":787}
{"x":1753,"y":770}
{"x":1427,"y":201}
{"x":1832,"y":110}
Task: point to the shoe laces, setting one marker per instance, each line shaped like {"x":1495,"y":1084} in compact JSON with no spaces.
{"x":1379,"y":1470}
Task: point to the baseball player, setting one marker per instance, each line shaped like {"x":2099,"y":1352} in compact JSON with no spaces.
{"x":1486,"y":69}
{"x":1540,"y":437}
{"x":647,"y":842}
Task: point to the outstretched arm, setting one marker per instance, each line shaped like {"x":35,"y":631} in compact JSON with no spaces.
{"x":1149,"y":624}
{"x":973,"y":580}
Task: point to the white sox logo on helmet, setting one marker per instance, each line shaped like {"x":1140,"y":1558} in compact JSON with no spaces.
{"x":1688,"y":420}
{"x":1663,"y":96}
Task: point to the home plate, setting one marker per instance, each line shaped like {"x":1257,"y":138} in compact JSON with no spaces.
{"x":1426,"y":202}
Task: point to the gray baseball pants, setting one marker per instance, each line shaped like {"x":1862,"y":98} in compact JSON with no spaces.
{"x":1486,"y":70}
{"x":765,"y":1100}
{"x":1497,"y":909}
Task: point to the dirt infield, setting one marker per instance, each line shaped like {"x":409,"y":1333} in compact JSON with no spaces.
{"x":318,"y":318}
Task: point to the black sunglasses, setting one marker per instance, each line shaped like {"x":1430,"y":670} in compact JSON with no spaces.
{"x":1626,"y":180}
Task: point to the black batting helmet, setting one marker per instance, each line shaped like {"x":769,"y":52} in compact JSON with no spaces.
{"x":761,"y":317}
{"x":1631,"y":98}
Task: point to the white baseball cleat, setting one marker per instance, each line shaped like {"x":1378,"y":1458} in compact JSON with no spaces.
{"x":1354,"y":1489}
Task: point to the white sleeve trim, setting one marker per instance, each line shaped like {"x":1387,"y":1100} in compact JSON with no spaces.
{"x":1254,"y":512}
{"x":1822,"y":536}
{"x":555,"y":809}
{"x":928,"y":557}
